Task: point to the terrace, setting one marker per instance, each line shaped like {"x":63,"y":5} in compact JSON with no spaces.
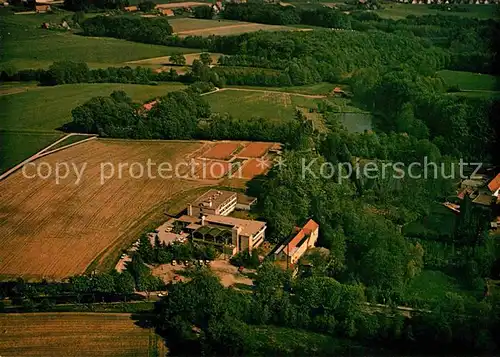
{"x":213,"y":234}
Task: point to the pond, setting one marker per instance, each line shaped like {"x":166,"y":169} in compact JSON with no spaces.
{"x":356,"y":122}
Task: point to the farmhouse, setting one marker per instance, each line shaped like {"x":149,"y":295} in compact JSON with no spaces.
{"x":167,"y":12}
{"x":494,"y":187}
{"x":217,"y":7}
{"x":293,"y":248}
{"x":213,"y":202}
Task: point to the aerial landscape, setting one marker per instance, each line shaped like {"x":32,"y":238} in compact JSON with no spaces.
{"x":249,"y":178}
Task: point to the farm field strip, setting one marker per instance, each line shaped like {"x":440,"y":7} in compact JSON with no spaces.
{"x":165,"y":60}
{"x":73,"y":334}
{"x":201,"y":27}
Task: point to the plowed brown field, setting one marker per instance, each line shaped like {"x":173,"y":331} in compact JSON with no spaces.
{"x":72,"y":334}
{"x":56,"y":230}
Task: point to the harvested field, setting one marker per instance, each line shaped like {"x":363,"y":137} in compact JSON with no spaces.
{"x":189,"y":24}
{"x":73,"y":334}
{"x":165,"y":60}
{"x":178,"y":5}
{"x":254,"y":167}
{"x":200,"y":27}
{"x":221,"y":151}
{"x":56,"y":230}
{"x":255,"y":150}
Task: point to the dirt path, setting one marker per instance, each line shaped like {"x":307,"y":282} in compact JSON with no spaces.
{"x":312,"y":96}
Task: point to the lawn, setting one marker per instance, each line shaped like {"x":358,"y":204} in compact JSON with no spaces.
{"x":17,"y":146}
{"x":44,"y":109}
{"x":470,"y":81}
{"x":397,"y":11}
{"x":27,"y":45}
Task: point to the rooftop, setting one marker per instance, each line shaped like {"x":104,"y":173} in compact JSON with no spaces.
{"x":246,"y":200}
{"x":248,"y":227}
{"x":494,"y":184}
{"x":296,"y":241}
{"x":213,"y":198}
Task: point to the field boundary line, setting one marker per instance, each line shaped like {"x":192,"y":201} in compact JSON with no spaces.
{"x":69,"y":313}
{"x":42,"y":153}
{"x":66,"y":146}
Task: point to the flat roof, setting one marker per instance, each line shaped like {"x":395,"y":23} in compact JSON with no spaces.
{"x":217,"y":198}
{"x":246,"y":200}
{"x":248,"y":227}
{"x":187,"y":219}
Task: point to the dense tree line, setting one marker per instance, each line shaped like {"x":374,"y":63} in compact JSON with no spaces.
{"x":140,"y":29}
{"x":469,"y":41}
{"x":88,"y":5}
{"x":175,"y":116}
{"x":323,"y":55}
{"x":202,"y":317}
{"x":275,"y":14}
{"x":67,"y":72}
{"x":408,"y":103}
{"x":41,"y":296}
{"x":178,"y":115}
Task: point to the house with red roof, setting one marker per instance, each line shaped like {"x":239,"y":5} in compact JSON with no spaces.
{"x":494,"y":186}
{"x":293,"y":248}
{"x":150,"y":105}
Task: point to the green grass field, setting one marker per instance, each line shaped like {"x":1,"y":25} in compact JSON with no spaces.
{"x":277,"y":105}
{"x":47,"y":108}
{"x":322,"y":88}
{"x":28,"y":120}
{"x":397,"y":11}
{"x":246,"y":105}
{"x":470,"y":81}
{"x":17,"y":146}
{"x":27,"y":45}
